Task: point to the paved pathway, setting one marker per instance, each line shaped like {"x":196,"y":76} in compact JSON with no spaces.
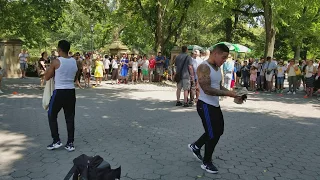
{"x":137,"y":127}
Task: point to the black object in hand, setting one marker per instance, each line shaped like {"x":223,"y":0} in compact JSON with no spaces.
{"x":244,"y":97}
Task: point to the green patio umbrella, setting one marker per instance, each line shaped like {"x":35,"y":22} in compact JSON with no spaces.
{"x":242,"y":48}
{"x":231,"y":46}
{"x":194,"y":47}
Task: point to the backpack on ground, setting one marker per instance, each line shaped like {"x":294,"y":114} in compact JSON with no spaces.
{"x":92,"y":168}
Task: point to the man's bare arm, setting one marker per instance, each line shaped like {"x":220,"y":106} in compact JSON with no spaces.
{"x":50,"y":71}
{"x":204,"y":79}
{"x":191,"y":72}
{"x":222,"y":87}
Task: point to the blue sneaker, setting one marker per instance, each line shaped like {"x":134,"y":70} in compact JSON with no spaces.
{"x":195,"y":151}
{"x":54,"y":145}
{"x":209,"y":167}
{"x":69,"y":147}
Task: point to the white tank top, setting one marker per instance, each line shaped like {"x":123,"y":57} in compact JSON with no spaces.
{"x":215,"y":77}
{"x":65,"y":74}
{"x":308,"y":74}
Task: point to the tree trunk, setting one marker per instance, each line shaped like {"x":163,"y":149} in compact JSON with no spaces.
{"x":159,"y":25}
{"x":269,"y":28}
{"x":297,"y":53}
{"x":228,"y":30}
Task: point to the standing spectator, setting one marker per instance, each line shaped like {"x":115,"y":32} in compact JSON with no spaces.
{"x":115,"y":68}
{"x":79,"y":63}
{"x":234,"y":77}
{"x":124,"y":68}
{"x":237,"y":65}
{"x":198,"y":62}
{"x":42,"y":67}
{"x":185,"y":71}
{"x":228,"y":68}
{"x":86,"y":69}
{"x":106,"y":64}
{"x":140,"y":62}
{"x":245,"y":74}
{"x":144,"y":68}
{"x":261,"y":75}
{"x":269,"y":67}
{"x":192,"y":83}
{"x":52,"y":56}
{"x":281,"y":69}
{"x":166,"y":67}
{"x":152,"y":66}
{"x":134,"y":65}
{"x":23,"y":59}
{"x":292,"y":77}
{"x":310,"y":72}
{"x":159,"y":66}
{"x":99,"y":70}
{"x":253,"y":77}
{"x":303,"y":72}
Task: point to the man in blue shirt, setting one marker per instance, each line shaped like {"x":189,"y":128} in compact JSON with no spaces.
{"x":159,"y":66}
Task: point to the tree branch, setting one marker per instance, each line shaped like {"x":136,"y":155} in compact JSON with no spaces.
{"x":183,"y":17}
{"x":148,"y":17}
{"x":246,"y":13}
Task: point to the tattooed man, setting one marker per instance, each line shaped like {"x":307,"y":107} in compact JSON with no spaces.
{"x":209,"y":78}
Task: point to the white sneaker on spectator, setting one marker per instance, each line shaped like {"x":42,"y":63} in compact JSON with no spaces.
{"x":289,"y":92}
{"x":294,"y":93}
{"x":1,"y":92}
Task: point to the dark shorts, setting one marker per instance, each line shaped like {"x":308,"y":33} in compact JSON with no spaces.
{"x":106,"y":71}
{"x":115,"y":74}
{"x":238,"y":74}
{"x":212,"y":119}
{"x":310,"y":82}
{"x":87,"y":74}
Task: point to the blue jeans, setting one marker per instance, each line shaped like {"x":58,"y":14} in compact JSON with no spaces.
{"x":280,"y":80}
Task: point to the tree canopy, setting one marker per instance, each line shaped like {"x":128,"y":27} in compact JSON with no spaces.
{"x":276,"y":28}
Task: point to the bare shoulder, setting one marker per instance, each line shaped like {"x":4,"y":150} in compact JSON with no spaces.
{"x":55,"y":63}
{"x":203,"y":69}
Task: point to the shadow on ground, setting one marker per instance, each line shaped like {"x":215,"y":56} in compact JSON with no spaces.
{"x":149,"y":138}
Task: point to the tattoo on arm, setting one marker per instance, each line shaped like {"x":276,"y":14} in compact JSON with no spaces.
{"x":204,"y":79}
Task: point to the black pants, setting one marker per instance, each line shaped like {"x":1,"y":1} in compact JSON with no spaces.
{"x":246,"y":81}
{"x":213,"y":123}
{"x":66,"y":99}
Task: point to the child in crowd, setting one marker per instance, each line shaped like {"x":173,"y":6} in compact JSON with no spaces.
{"x":253,"y":77}
{"x":144,"y":69}
{"x":134,"y":65}
{"x":281,"y":69}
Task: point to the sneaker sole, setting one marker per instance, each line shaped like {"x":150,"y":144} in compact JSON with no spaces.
{"x":209,"y":171}
{"x":194,"y":153}
{"x":70,"y":150}
{"x":53,"y":148}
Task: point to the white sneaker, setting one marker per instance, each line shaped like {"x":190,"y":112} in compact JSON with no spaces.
{"x":289,"y":92}
{"x":1,"y":92}
{"x":54,"y":145}
{"x":294,"y":93}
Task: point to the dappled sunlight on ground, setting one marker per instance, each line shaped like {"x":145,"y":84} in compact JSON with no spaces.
{"x":11,"y":147}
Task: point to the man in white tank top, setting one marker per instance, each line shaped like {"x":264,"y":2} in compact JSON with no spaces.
{"x":64,"y":71}
{"x":209,"y":78}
